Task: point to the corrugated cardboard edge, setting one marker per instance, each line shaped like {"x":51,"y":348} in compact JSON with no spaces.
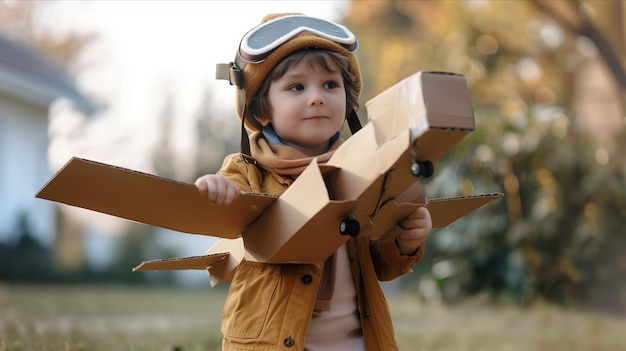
{"x":181,"y":263}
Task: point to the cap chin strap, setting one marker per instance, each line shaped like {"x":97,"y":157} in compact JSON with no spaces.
{"x":353,"y":122}
{"x":244,"y":144}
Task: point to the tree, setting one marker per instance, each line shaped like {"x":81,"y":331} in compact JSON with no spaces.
{"x":533,"y":141}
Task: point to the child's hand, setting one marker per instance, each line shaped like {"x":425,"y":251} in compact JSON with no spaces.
{"x":219,"y":189}
{"x":415,"y":230}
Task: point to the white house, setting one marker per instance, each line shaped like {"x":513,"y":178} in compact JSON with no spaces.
{"x":29,"y":83}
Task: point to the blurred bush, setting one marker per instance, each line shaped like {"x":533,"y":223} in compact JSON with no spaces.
{"x":549,"y":114}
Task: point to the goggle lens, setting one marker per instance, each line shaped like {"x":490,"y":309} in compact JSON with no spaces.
{"x":258,"y":43}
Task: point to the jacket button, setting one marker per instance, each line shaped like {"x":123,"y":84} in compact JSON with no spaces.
{"x":367,"y":314}
{"x":307,"y":279}
{"x":289,"y":342}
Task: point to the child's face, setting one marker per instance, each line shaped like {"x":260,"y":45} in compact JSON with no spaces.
{"x":308,"y":106}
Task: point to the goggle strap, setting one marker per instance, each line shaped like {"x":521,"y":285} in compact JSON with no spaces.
{"x":232,"y":73}
{"x":229,"y":72}
{"x":353,"y":122}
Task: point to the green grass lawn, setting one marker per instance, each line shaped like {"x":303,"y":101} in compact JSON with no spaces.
{"x":121,"y":318}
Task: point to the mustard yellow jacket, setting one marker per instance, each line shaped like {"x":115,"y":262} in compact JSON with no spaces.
{"x":269,"y":306}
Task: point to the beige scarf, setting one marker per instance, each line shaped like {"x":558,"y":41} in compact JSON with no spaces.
{"x":285,"y":160}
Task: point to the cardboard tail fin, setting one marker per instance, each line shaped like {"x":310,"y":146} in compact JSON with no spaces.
{"x":220,"y":261}
{"x":445,"y":211}
{"x":181,"y":263}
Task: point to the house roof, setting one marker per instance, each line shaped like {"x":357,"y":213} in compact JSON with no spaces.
{"x":27,"y":75}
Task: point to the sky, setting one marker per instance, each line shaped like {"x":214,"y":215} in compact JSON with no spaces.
{"x":147,"y":51}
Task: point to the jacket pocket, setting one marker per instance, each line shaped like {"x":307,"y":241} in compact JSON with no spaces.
{"x":251,"y":291}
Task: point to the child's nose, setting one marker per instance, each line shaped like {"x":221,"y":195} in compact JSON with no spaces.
{"x":316,"y":97}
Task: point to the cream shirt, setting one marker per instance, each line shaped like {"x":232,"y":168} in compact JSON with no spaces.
{"x":338,"y":328}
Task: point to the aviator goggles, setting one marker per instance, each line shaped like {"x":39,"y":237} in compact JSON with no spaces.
{"x":259,"y":42}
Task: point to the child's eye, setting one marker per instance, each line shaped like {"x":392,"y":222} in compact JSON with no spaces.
{"x":297,"y":87}
{"x":331,"y":85}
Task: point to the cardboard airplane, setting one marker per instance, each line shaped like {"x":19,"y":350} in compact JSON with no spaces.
{"x":370,"y":183}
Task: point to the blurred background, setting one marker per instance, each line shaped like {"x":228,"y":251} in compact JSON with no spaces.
{"x":132,"y":84}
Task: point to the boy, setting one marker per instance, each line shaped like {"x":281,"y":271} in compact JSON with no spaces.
{"x":299,"y":80}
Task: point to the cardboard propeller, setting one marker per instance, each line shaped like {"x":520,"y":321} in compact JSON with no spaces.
{"x":370,"y":183}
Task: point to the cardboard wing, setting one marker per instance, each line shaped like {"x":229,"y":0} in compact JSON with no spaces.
{"x":150,"y":199}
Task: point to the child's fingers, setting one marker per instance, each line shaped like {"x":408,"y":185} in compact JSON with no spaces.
{"x":227,"y":192}
{"x":200,"y":183}
{"x":215,"y":194}
{"x":232,"y":193}
{"x":420,"y":218}
{"x":420,"y":213}
{"x":219,"y":190}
